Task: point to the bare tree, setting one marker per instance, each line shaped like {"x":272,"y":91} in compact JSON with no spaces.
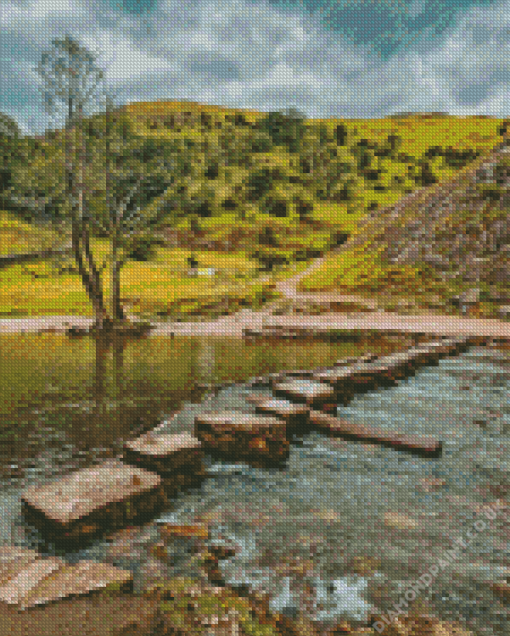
{"x":71,"y":78}
{"x":102,"y":155}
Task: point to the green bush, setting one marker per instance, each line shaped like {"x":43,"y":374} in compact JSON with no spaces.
{"x":142,"y":248}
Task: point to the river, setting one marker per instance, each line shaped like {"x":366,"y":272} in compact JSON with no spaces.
{"x":320,"y":532}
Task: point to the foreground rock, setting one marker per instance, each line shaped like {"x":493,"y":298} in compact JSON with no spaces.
{"x":27,"y":579}
{"x":93,"y":500}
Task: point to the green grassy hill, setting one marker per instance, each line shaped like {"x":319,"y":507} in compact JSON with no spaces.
{"x":257,"y":197}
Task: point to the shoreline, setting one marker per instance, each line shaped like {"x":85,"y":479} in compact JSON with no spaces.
{"x":234,"y":324}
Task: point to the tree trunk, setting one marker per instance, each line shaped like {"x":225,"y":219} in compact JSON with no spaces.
{"x":118,"y":310}
{"x":96,"y":287}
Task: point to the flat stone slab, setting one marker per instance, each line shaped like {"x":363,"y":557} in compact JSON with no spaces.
{"x":386,"y":374}
{"x":295,"y":415}
{"x":13,"y":560}
{"x":344,"y":362}
{"x":166,"y":453}
{"x":423,"y":356}
{"x":73,"y":580}
{"x":305,"y":391}
{"x":28,"y":579}
{"x":109,"y":493}
{"x":349,"y":380}
{"x":252,"y":438}
{"x":20,"y":586}
{"x":414,"y":443}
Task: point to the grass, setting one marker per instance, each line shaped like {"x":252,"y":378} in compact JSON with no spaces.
{"x":18,"y":237}
{"x":159,"y":286}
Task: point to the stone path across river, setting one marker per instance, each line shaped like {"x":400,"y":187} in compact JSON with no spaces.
{"x":261,"y":437}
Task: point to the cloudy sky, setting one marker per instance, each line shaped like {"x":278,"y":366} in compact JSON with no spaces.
{"x":328,"y":58}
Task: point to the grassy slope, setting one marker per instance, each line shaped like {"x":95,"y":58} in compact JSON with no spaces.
{"x":157,"y":286}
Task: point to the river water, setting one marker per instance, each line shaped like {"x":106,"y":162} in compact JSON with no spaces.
{"x":319,"y":534}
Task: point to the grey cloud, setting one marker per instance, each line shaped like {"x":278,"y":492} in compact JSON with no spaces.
{"x":213,"y":68}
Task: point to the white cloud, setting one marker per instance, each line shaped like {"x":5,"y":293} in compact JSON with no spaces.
{"x":255,"y":56}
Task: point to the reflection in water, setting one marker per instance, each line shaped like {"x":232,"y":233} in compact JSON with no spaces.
{"x":98,"y":392}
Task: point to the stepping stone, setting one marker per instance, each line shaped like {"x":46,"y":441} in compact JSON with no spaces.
{"x":344,"y":362}
{"x":19,"y":587}
{"x":340,"y":380}
{"x":298,"y":373}
{"x":165,"y":454}
{"x":350,"y":379}
{"x":414,"y":443}
{"x":441,"y":347}
{"x":386,"y":374}
{"x":402,"y":364}
{"x":72,"y":580}
{"x":368,"y":357}
{"x":422,"y":356}
{"x":112,"y":494}
{"x":307,"y":392}
{"x":13,"y":560}
{"x":255,"y":439}
{"x":295,"y":415}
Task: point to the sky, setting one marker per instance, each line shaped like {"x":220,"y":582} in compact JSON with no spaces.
{"x":327,"y":58}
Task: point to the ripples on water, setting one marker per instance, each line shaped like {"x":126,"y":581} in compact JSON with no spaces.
{"x":327,"y":507}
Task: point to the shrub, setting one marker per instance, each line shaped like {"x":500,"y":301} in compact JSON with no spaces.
{"x":142,"y":248}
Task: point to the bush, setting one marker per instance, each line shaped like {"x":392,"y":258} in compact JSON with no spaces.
{"x":142,"y":248}
{"x":260,"y":142}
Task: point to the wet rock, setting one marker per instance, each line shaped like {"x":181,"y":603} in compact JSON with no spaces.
{"x":256,"y":439}
{"x":431,"y":484}
{"x":313,"y":394}
{"x":103,"y":497}
{"x":365,"y":566}
{"x":169,"y":531}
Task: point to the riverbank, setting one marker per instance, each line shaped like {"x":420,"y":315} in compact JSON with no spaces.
{"x":234,"y":324}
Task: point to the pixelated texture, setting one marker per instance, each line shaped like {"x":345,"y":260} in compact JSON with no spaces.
{"x":248,"y":385}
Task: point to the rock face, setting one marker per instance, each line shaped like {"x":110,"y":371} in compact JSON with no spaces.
{"x":459,"y":228}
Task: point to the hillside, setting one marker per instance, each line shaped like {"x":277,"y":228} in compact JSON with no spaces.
{"x":277,"y":189}
{"x":436,"y":243}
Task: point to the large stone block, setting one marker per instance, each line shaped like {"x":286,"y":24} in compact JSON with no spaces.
{"x":27,"y":579}
{"x":18,"y":588}
{"x":73,"y":580}
{"x":296,"y":416}
{"x":13,"y":560}
{"x":309,"y":392}
{"x":166,"y":454}
{"x":255,"y":439}
{"x":331,"y":425}
{"x":92,"y":500}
